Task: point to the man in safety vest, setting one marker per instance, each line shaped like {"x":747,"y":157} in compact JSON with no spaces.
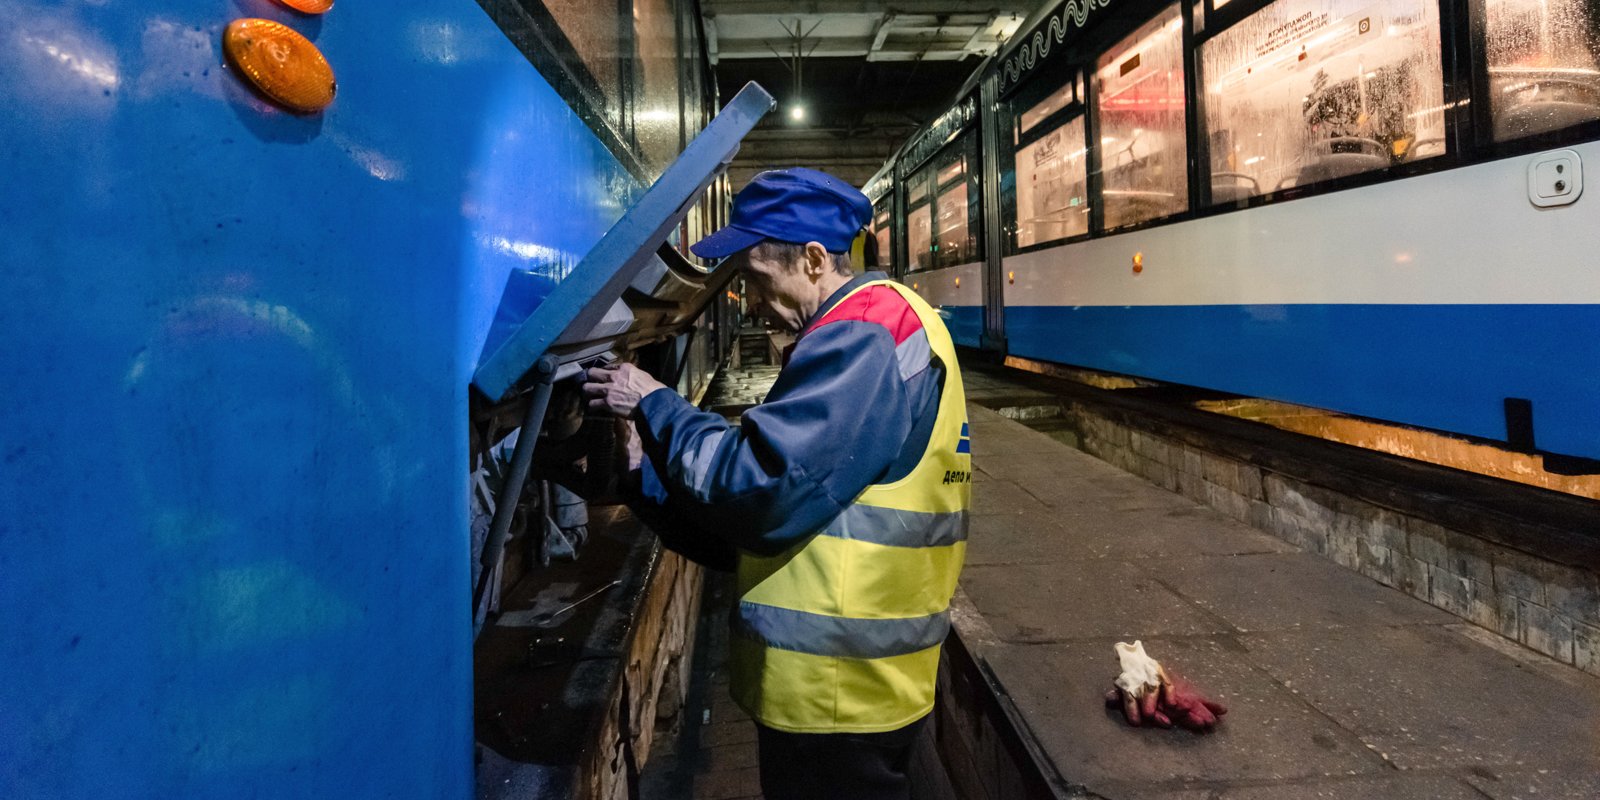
{"x":841,"y":500}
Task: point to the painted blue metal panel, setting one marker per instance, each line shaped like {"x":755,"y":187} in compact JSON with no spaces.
{"x":600,"y":278}
{"x":965,"y":324}
{"x":1447,"y":367}
{"x":237,"y":348}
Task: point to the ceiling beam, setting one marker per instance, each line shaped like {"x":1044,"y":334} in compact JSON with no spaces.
{"x":977,"y":44}
{"x":731,"y":22}
{"x":880,"y":33}
{"x":790,"y":8}
{"x":944,"y":48}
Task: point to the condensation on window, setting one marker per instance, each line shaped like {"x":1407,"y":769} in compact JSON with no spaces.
{"x":1058,"y":100}
{"x":956,"y":204}
{"x":656,"y":109}
{"x":1140,"y":108}
{"x":1542,"y":58}
{"x":919,"y":221}
{"x":956,"y":242}
{"x":882,"y":232}
{"x":1052,"y":187}
{"x":592,"y":30}
{"x":1309,"y":90}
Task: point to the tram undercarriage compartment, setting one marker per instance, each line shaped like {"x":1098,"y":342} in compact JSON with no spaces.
{"x":581,"y":621}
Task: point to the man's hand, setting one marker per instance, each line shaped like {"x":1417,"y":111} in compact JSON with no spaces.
{"x":632,"y":446}
{"x":619,"y":388}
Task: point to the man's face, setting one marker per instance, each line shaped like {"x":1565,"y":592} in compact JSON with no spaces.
{"x":776,"y":291}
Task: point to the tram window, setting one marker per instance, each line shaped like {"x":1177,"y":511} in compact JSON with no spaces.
{"x":1052,"y":187}
{"x":1140,"y":108}
{"x":919,"y":221}
{"x":1309,"y":90}
{"x":592,"y":30}
{"x":955,"y":217}
{"x":1542,"y":58}
{"x":656,"y":107}
{"x":955,"y":244}
{"x":885,"y":237}
{"x":942,"y":208}
{"x":1060,"y":99}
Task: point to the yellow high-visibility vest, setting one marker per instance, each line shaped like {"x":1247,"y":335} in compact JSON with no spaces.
{"x":842,"y":632}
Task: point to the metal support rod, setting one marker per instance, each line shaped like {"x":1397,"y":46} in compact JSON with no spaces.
{"x":505,"y":505}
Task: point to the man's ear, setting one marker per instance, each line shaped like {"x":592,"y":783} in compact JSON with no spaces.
{"x":817,"y":262}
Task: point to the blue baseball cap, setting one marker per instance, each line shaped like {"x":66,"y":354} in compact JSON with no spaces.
{"x":796,"y":205}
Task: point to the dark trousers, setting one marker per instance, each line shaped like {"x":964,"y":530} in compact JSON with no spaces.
{"x":837,"y":766}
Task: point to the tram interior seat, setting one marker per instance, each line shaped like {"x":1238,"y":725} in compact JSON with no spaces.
{"x":1545,"y":104}
{"x":1129,"y":206}
{"x":1232,"y":187}
{"x":1542,"y":116}
{"x":1426,"y":148}
{"x":1341,"y":156}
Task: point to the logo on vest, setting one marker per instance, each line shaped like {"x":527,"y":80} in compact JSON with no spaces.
{"x":957,"y":476}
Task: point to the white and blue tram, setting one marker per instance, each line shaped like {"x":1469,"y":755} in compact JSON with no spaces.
{"x":1372,"y":208}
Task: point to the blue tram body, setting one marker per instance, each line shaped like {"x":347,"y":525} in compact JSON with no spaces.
{"x":1376,"y":210}
{"x":238,"y":346}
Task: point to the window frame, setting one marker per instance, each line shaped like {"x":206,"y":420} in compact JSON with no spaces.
{"x":1468,"y":124}
{"x":1027,"y":95}
{"x":1097,"y":211}
{"x":1475,"y":24}
{"x":1451,"y":73}
{"x":972,"y":175}
{"x":884,"y":206}
{"x":535,"y":32}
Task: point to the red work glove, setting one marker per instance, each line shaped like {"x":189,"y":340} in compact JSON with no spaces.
{"x":1147,"y":694}
{"x":1184,"y":706}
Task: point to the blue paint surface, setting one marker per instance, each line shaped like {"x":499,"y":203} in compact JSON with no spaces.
{"x":1447,"y":367}
{"x":237,"y":344}
{"x":965,"y":324}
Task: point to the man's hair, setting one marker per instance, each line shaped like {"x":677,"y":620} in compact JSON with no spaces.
{"x":788,"y":253}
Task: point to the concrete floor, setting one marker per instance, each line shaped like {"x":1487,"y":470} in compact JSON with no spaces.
{"x":1338,"y":687}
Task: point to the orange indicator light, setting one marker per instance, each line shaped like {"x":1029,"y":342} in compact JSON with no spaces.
{"x":1138,"y":262}
{"x":309,"y":6}
{"x":284,"y":65}
{"x":1011,"y":277}
{"x":958,"y":283}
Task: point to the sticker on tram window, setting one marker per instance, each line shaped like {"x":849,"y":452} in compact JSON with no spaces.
{"x":1052,"y":187}
{"x":1305,"y":91}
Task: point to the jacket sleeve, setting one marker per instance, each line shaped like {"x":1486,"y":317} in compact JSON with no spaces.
{"x":833,"y":423}
{"x":649,"y":501}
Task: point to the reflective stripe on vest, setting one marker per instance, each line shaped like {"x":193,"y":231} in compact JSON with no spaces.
{"x":824,"y":635}
{"x":897,"y":527}
{"x":842,"y":633}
